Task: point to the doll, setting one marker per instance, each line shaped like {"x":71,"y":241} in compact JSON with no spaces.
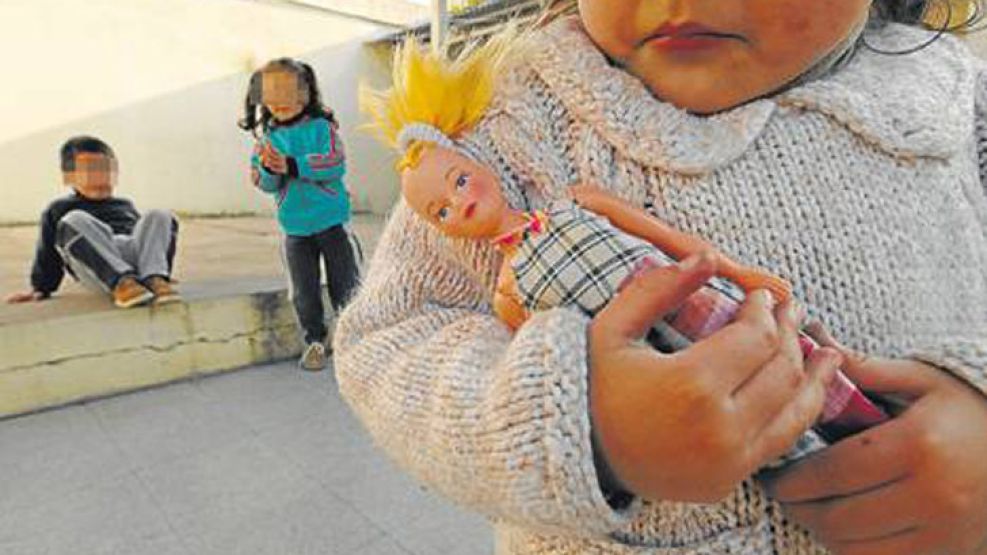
{"x":576,"y":252}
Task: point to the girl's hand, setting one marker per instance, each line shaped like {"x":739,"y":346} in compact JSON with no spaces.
{"x":916,"y":484}
{"x":273,"y":160}
{"x":691,"y":426}
{"x":24,"y":297}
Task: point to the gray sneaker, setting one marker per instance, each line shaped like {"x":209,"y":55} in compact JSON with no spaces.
{"x":314,"y":357}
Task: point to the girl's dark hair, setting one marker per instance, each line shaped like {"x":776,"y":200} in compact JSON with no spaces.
{"x":921,"y":12}
{"x":256,"y":115}
{"x":941,"y":16}
{"x":82,"y":143}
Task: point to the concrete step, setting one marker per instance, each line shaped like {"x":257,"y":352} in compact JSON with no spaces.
{"x":78,"y":346}
{"x":78,"y":356}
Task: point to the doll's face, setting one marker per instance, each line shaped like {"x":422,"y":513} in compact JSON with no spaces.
{"x":711,"y":55}
{"x":94,"y":175}
{"x":455,"y":194}
{"x":283,"y":93}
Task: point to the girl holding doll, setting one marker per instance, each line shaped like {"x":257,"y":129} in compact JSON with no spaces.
{"x":784,"y":134}
{"x":298,"y":158}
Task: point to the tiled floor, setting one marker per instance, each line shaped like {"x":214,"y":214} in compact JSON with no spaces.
{"x":262,"y":461}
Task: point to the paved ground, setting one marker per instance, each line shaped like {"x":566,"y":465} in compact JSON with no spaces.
{"x":262,"y":461}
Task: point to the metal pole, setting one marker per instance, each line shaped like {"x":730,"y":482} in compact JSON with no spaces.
{"x":440,"y":23}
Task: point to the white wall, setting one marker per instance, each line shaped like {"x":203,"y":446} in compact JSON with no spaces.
{"x":163,"y":82}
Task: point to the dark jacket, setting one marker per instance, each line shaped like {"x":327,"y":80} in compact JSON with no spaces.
{"x":49,"y":269}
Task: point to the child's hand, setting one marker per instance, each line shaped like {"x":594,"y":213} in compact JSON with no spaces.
{"x":24,"y":297}
{"x":692,"y":425}
{"x":916,"y":484}
{"x":273,"y":160}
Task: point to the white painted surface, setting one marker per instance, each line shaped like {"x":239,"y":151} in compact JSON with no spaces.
{"x":163,"y":82}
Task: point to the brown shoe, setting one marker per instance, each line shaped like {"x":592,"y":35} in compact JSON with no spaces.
{"x":314,"y":357}
{"x":164,"y":293}
{"x":129,"y":292}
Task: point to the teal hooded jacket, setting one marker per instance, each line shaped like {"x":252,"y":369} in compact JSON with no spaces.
{"x":311,"y":197}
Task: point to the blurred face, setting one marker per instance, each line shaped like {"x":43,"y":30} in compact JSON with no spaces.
{"x":711,"y":55}
{"x":94,"y":175}
{"x":283,"y":93}
{"x":455,"y":194}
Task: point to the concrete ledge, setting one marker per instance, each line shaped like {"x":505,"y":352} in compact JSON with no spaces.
{"x":78,"y":346}
{"x":63,"y":359}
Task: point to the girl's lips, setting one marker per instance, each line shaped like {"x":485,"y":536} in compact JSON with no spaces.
{"x":686,"y":43}
{"x":470,"y":209}
{"x":686,"y":37}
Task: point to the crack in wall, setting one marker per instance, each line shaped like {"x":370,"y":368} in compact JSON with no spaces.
{"x":268,"y":335}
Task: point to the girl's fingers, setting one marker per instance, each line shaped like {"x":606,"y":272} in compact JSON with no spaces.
{"x":768,"y":391}
{"x":905,"y":542}
{"x":902,"y":378}
{"x":739,"y":350}
{"x":878,"y":513}
{"x":649,"y":296}
{"x":874,"y":374}
{"x":872,"y":458}
{"x":800,"y":414}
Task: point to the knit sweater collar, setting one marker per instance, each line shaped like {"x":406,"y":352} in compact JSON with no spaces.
{"x":908,"y":106}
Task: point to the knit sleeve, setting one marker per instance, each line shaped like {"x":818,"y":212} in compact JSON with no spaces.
{"x":966,"y":357}
{"x":980,"y":126}
{"x":498,"y":424}
{"x":963,"y":357}
{"x":48,"y":269}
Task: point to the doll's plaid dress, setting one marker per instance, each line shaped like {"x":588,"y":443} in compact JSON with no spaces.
{"x":579,"y":259}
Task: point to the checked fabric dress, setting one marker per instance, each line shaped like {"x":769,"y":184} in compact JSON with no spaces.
{"x":579,"y":259}
{"x":576,"y":258}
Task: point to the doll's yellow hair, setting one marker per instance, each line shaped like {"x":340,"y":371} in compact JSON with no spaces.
{"x":448,"y":93}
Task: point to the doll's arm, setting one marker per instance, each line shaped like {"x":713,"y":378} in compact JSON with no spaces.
{"x":679,"y":245}
{"x":506,"y":305}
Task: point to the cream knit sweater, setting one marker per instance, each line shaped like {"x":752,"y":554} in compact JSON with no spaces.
{"x":863,"y":189}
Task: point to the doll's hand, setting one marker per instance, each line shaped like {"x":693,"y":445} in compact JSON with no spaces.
{"x":916,"y":484}
{"x":692,"y":425}
{"x":509,"y":311}
{"x":273,"y":160}
{"x":582,"y":192}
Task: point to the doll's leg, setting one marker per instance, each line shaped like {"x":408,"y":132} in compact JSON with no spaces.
{"x":751,"y":279}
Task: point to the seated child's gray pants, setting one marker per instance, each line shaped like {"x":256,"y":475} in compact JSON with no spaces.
{"x":98,"y":258}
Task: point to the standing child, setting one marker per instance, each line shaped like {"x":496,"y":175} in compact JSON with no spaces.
{"x":100,"y":238}
{"x":775,"y":130}
{"x":299,"y":159}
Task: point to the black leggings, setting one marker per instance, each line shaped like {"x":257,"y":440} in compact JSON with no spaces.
{"x":303,"y":253}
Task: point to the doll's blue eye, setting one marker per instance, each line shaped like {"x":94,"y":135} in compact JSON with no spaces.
{"x":462,"y":180}
{"x":443,"y":213}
